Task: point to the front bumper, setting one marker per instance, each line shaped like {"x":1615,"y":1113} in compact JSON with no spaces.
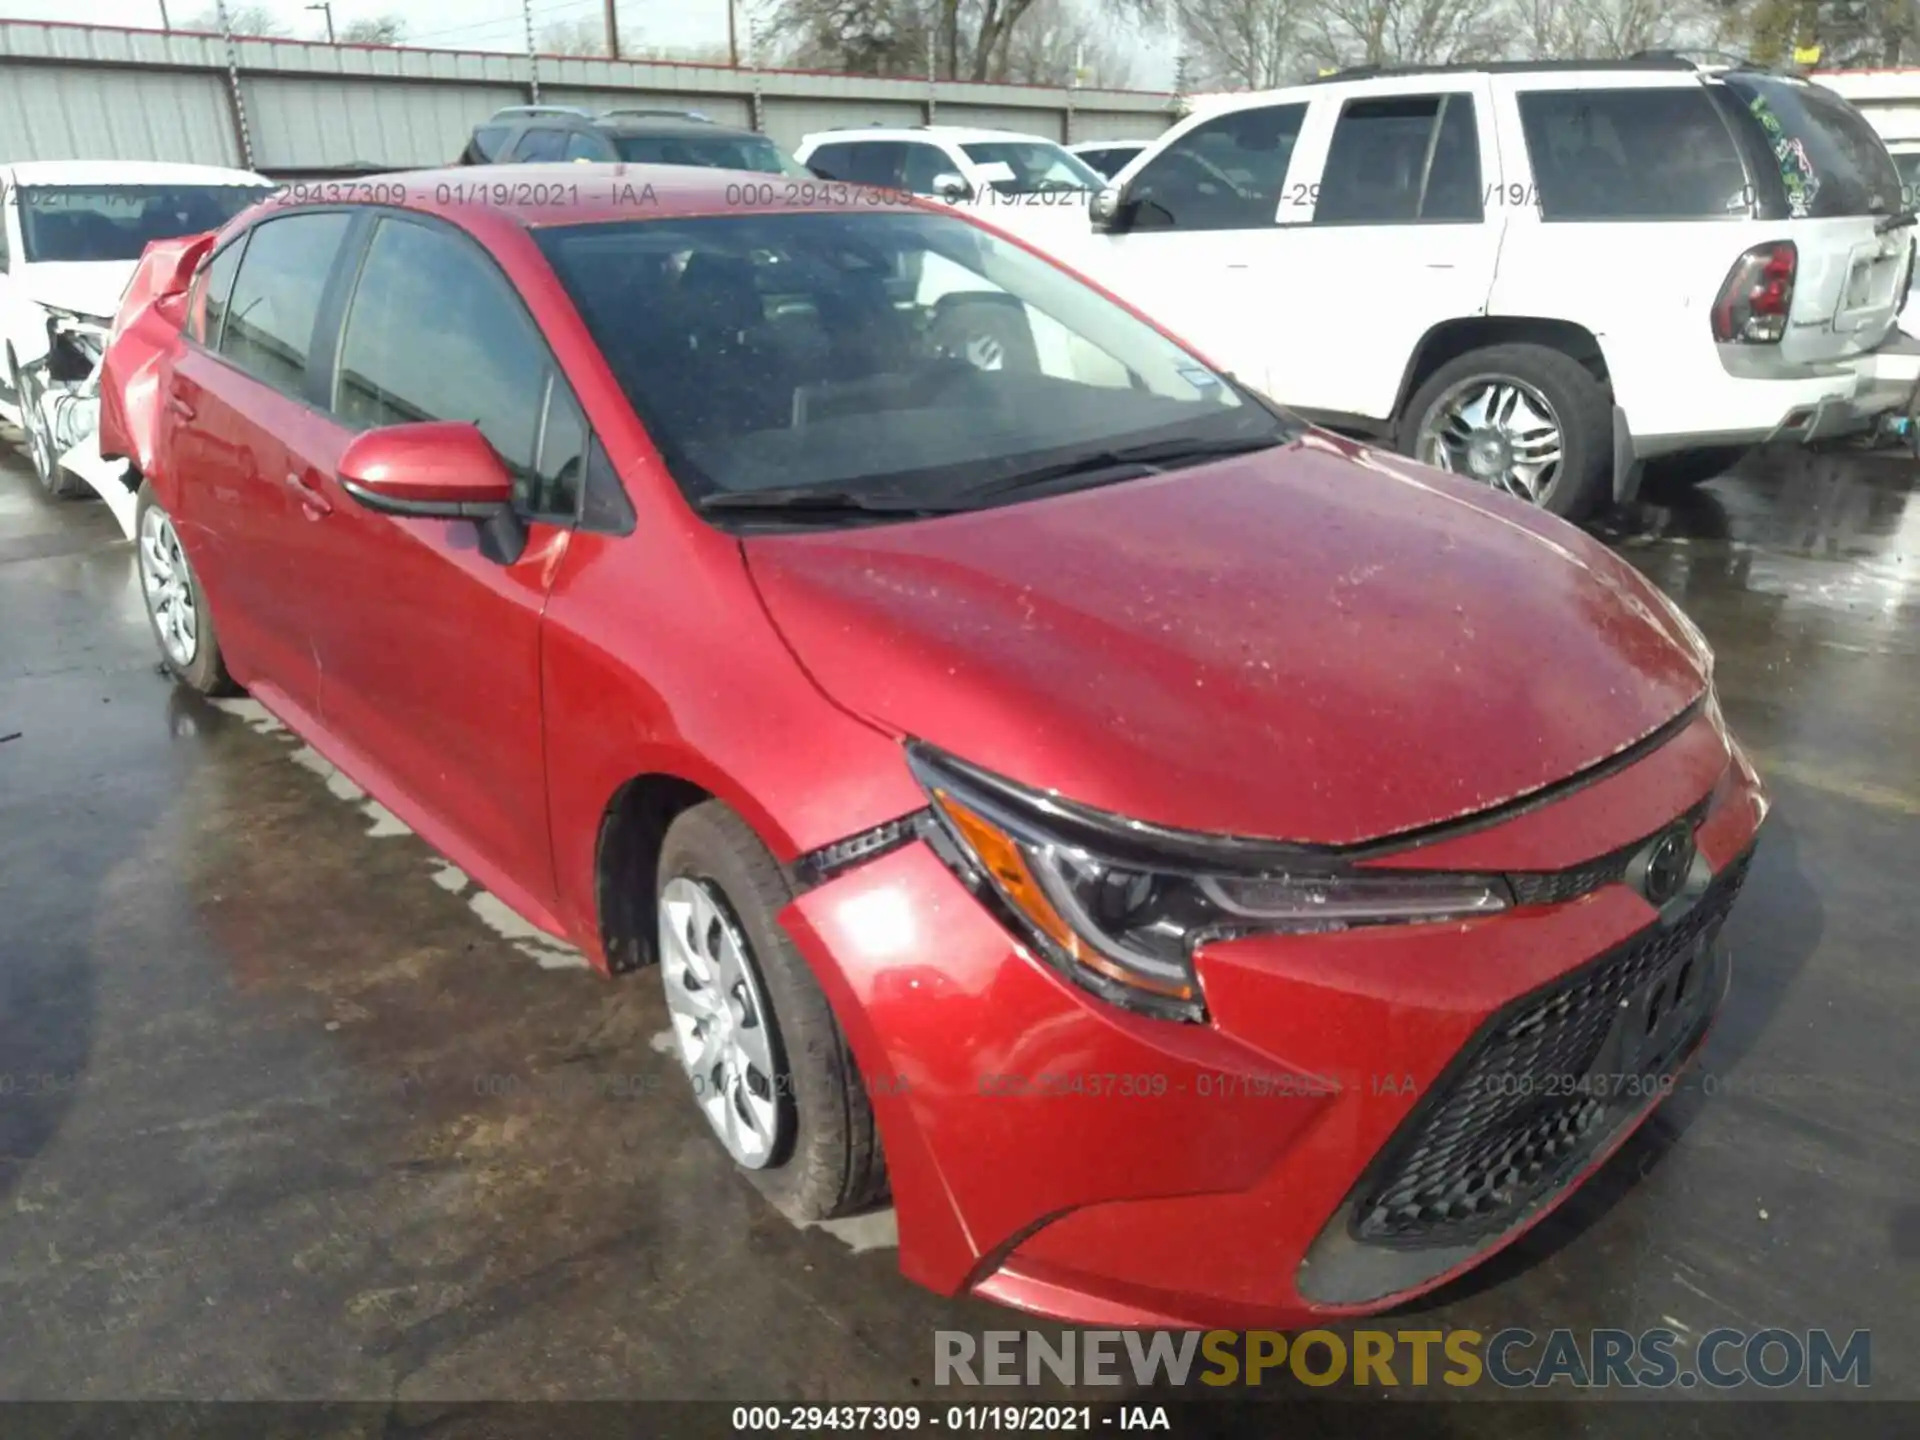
{"x":1060,"y":1155}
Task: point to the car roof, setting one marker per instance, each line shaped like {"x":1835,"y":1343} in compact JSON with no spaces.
{"x":959,"y":134}
{"x":1080,"y":145}
{"x":129,"y":172}
{"x":668,"y":125}
{"x":482,"y":199}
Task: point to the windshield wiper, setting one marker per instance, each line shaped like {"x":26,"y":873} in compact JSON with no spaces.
{"x":1130,"y":461}
{"x":811,"y":500}
{"x":1894,"y":222}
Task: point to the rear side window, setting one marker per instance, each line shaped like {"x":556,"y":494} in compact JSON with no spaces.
{"x":1402,"y":159}
{"x":862,"y":162}
{"x":1223,"y":175}
{"x":268,"y":327}
{"x":1830,"y":161}
{"x":211,"y":289}
{"x":435,"y":332}
{"x":1639,"y":154}
{"x":486,"y":143}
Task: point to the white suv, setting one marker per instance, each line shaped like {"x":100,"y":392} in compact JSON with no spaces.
{"x":1540,"y":276}
{"x":71,"y":233}
{"x":1027,"y":185}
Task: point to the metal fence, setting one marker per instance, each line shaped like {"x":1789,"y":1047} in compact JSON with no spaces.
{"x":291,"y":108}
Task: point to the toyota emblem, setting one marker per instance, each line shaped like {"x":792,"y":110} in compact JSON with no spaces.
{"x":1668,"y":862}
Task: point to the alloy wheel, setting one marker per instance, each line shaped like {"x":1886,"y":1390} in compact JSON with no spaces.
{"x":34,"y":423}
{"x":721,"y":1021}
{"x":168,"y":585}
{"x":1498,"y":430}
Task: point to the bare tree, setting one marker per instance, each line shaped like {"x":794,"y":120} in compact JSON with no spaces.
{"x":1407,"y":32}
{"x":1609,"y":29}
{"x":572,"y":37}
{"x":966,"y":39}
{"x":1246,"y":44}
{"x":1055,"y":38}
{"x":241,"y":20}
{"x":374,"y":30}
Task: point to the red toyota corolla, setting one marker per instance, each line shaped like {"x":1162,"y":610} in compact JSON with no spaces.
{"x":1205,"y":871}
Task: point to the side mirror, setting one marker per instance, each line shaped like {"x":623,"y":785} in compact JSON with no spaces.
{"x":949,"y":186}
{"x":436,"y":469}
{"x":1105,"y":210}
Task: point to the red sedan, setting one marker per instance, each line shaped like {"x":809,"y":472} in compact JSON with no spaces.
{"x":1204,"y":871}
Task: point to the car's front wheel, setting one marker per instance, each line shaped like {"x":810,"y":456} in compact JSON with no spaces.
{"x":176,"y":605}
{"x":1525,"y":419}
{"x":53,"y":477}
{"x":769,"y":1067}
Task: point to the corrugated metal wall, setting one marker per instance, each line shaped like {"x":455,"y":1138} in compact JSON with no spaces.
{"x":90,"y":92}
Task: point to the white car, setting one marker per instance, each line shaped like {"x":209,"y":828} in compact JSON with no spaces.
{"x":1109,"y":157}
{"x":1890,"y":100}
{"x":1027,"y":185}
{"x":71,"y":233}
{"x":1538,"y":276}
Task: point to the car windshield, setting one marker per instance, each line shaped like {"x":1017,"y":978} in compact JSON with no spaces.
{"x":881,"y":354}
{"x":117,"y":222}
{"x":716,"y":152}
{"x":1037,"y":166}
{"x":1831,"y":161}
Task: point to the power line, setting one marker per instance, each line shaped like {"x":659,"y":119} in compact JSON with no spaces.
{"x":514,"y":19}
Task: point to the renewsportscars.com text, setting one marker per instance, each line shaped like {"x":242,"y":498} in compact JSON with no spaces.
{"x":1513,"y":1358}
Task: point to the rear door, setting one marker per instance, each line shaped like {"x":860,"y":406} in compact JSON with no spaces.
{"x":231,"y":398}
{"x":429,"y":651}
{"x":1841,"y":193}
{"x":1385,"y":232}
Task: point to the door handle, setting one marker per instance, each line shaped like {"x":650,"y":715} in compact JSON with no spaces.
{"x":310,"y":495}
{"x":179,"y":406}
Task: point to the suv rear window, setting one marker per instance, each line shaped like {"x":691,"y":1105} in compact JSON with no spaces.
{"x":1639,"y":154}
{"x":1831,"y":161}
{"x":718,"y":152}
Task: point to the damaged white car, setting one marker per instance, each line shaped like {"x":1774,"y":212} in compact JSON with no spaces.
{"x":71,"y":235}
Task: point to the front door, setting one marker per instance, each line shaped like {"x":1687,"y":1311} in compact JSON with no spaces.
{"x":429,"y":650}
{"x":1199,"y":251}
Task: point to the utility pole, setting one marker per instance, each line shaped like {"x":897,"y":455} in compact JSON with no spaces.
{"x":326,"y":7}
{"x":733,"y":36}
{"x":533,"y":56}
{"x":613,"y":30}
{"x":165,"y":23}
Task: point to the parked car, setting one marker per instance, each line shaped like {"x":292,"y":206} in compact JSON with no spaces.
{"x":531,"y":134}
{"x":1535,"y":275}
{"x":71,"y":232}
{"x":1204,"y":870}
{"x":1109,"y":157}
{"x":1025,"y":184}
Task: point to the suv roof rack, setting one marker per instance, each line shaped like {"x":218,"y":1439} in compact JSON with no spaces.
{"x":1646,"y":60}
{"x":657,"y":113}
{"x":540,"y":110}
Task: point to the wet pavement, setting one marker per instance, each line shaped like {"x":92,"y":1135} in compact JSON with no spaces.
{"x":289,"y":1110}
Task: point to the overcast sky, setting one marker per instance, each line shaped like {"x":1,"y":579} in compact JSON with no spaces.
{"x":472,"y":24}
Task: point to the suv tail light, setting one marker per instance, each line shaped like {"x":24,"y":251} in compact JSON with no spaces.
{"x":1753,"y":303}
{"x":1906,"y":285}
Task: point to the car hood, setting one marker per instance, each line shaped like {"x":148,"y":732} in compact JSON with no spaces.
{"x":90,"y":288}
{"x":1315,"y":643}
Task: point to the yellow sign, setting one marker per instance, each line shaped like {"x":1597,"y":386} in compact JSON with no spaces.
{"x":1806,"y":54}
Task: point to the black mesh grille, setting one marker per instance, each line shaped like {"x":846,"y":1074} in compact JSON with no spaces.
{"x":1509,"y":1122}
{"x":1556,"y":887}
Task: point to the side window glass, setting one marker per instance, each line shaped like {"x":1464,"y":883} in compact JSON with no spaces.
{"x":831,"y":161}
{"x":554,"y":488}
{"x":1645,"y":154}
{"x":1453,"y":179}
{"x":922,"y":163}
{"x":582,"y":146}
{"x":207,"y":307}
{"x":1377,"y":162}
{"x":539,"y":145}
{"x":435,"y":332}
{"x":268,"y":327}
{"x":1223,"y":175}
{"x":876,"y":162}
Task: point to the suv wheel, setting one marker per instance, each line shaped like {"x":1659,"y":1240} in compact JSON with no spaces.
{"x":1524,"y":419}
{"x":769,"y":1067}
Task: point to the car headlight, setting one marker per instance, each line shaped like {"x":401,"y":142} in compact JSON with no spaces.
{"x":1120,"y":907}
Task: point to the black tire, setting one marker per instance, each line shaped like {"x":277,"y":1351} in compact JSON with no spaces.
{"x":1582,"y":404}
{"x":831,"y":1165}
{"x":986,"y":333}
{"x":207,"y":670}
{"x":58,"y":482}
{"x":1686,"y":468}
